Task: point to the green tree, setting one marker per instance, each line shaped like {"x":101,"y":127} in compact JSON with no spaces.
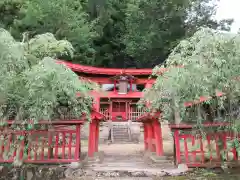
{"x":211,"y":63}
{"x":135,"y":33}
{"x":33,"y":85}
{"x":9,"y":10}
{"x":154,"y":28}
{"x":64,"y":19}
{"x":111,"y":27}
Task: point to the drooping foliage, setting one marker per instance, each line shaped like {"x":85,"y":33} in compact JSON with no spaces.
{"x":33,"y":85}
{"x":134,"y":33}
{"x":211,"y":64}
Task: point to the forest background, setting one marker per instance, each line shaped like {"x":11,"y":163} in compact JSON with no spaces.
{"x":123,"y":34}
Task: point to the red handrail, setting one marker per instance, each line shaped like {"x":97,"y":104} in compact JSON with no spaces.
{"x":59,"y":143}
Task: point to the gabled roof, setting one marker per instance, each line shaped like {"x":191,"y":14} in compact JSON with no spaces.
{"x":104,"y":71}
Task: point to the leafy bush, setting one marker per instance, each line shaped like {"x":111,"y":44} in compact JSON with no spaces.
{"x":33,"y":85}
{"x":211,"y":64}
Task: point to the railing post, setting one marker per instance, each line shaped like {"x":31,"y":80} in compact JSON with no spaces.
{"x":158,"y":137}
{"x":97,"y":136}
{"x":145,"y":136}
{"x":92,"y":138}
{"x":150,"y":137}
{"x":177,"y":146}
{"x":78,"y":142}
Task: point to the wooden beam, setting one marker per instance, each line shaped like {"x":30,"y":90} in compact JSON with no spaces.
{"x":112,"y":94}
{"x":107,"y":80}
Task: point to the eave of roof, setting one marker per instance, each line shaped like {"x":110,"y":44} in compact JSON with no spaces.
{"x":104,"y":71}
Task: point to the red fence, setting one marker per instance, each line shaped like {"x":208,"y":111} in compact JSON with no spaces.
{"x":203,"y":150}
{"x":56,"y":142}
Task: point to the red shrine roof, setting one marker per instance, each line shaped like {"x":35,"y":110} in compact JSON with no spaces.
{"x":104,"y":71}
{"x":116,"y":72}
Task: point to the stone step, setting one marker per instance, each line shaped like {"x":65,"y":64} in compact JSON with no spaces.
{"x":120,"y":164}
{"x":136,"y":162}
{"x":121,"y":138}
{"x":127,"y":163}
{"x":128,"y":168}
{"x":120,"y":133}
{"x":116,"y":140}
{"x":122,"y":126}
{"x":120,"y":130}
{"x":121,"y":142}
{"x":123,"y":132}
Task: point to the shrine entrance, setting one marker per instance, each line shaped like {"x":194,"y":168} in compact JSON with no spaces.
{"x":126,"y":127}
{"x":121,"y":125}
{"x":125,"y":123}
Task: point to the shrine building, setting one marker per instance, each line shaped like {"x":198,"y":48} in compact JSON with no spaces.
{"x":121,"y":89}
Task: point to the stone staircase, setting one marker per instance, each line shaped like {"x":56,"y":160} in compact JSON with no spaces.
{"x":135,"y":164}
{"x":120,"y":132}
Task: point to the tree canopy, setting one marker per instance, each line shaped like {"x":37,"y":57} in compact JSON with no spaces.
{"x":134,"y":33}
{"x":33,"y":85}
{"x":211,"y":63}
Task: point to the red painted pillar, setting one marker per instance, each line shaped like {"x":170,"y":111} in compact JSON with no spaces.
{"x":177,"y":146}
{"x":145,"y":136}
{"x":150,"y":137}
{"x":78,"y":142}
{"x":92,"y":138}
{"x":153,"y":139}
{"x":158,"y":137}
{"x":97,"y":136}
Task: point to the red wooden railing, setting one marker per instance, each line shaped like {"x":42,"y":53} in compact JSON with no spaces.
{"x":198,"y":150}
{"x":55,"y":142}
{"x":132,"y":114}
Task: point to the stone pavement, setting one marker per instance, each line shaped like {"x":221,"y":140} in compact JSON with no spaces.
{"x":128,"y":160}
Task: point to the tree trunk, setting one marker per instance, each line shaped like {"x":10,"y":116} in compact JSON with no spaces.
{"x":177,"y":117}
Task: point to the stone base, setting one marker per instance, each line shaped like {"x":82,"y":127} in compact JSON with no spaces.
{"x":97,"y":158}
{"x":152,"y":158}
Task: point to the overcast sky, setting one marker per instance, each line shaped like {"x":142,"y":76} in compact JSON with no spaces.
{"x":230,"y":9}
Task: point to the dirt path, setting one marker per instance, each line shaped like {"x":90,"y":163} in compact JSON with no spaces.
{"x":128,"y":148}
{"x":127,"y":158}
{"x":121,"y":149}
